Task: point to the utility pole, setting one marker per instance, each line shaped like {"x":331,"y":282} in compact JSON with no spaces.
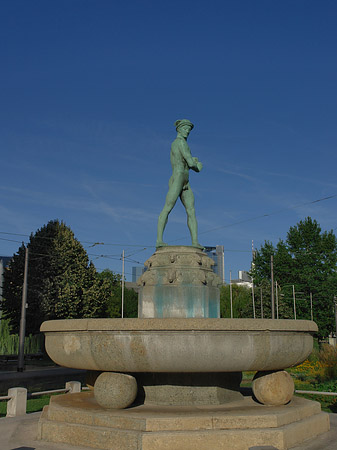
{"x":261,"y":303}
{"x":21,"y":357}
{"x":230,"y":292}
{"x":272,"y":287}
{"x":294,"y":301}
{"x":253,"y":298}
{"x":123,"y":284}
{"x":335,"y":300}
{"x":311,"y":310}
{"x":276,"y":299}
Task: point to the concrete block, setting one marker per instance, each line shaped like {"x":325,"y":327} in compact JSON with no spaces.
{"x":17,"y":405}
{"x":73,"y":386}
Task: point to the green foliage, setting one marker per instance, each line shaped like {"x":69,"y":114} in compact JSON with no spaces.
{"x":112,"y":285}
{"x":242,"y":302}
{"x":307,"y":260}
{"x":61,"y":281}
{"x":9,"y":343}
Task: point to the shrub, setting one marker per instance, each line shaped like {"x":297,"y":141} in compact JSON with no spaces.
{"x":328,"y":358}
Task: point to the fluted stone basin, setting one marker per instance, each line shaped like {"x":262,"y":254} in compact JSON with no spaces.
{"x":179,"y":345}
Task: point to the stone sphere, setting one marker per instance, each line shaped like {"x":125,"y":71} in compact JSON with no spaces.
{"x":273,"y":388}
{"x":115,"y":390}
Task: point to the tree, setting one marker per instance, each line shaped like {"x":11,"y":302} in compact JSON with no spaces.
{"x":307,"y":260}
{"x":114,"y":296}
{"x":62,"y":283}
{"x":241,"y":299}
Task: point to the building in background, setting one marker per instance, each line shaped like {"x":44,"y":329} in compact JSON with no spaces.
{"x":218,"y":256}
{"x":137,"y":271}
{"x":244,"y":279}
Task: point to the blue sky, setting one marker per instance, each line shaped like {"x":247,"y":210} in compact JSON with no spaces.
{"x":90,"y":90}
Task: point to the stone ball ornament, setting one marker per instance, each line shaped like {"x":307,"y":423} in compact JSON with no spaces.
{"x":273,"y":388}
{"x":115,"y":390}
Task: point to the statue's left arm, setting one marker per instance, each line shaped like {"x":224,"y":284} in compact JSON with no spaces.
{"x":192,"y":162}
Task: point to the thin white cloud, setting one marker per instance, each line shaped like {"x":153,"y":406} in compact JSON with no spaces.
{"x":239,"y":174}
{"x":94,"y":206}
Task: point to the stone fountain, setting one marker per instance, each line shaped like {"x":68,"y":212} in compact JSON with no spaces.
{"x":170,"y":379}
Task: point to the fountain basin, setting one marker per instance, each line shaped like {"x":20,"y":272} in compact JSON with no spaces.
{"x":178,"y":345}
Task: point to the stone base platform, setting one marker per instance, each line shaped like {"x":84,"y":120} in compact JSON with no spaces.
{"x":77,"y":419}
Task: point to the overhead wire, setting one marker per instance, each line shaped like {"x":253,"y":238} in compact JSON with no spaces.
{"x":262,"y":216}
{"x":93,"y":244}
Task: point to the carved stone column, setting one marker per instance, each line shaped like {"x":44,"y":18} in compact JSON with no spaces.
{"x":179,"y":282}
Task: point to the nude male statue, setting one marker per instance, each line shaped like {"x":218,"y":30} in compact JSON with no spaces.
{"x":181,"y":161}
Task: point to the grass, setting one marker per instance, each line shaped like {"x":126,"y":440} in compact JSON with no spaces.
{"x":33,"y":405}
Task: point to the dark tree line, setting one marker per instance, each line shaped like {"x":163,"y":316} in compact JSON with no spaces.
{"x":62,"y":282}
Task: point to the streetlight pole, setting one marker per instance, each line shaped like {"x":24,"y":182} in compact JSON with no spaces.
{"x":335,"y":301}
{"x":272,"y":287}
{"x":294,"y":301}
{"x":253,"y":298}
{"x":21,"y":357}
{"x":231,"y":292}
{"x":123,"y":284}
{"x":276,"y":300}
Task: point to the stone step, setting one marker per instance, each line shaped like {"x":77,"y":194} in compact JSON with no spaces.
{"x":104,"y":438}
{"x":246,"y":413}
{"x":76,"y":419}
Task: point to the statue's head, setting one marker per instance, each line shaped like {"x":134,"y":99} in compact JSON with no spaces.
{"x":183,"y":127}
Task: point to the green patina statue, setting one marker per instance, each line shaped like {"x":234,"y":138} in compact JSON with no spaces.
{"x":181,"y":161}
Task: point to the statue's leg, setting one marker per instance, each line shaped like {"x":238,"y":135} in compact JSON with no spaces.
{"x":171,"y":199}
{"x":187,"y":198}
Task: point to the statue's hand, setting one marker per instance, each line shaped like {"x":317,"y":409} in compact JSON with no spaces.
{"x":199,"y":166}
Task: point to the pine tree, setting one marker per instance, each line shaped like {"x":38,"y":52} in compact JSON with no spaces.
{"x":62,"y":283}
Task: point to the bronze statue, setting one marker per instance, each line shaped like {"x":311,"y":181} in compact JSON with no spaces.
{"x":181,"y":161}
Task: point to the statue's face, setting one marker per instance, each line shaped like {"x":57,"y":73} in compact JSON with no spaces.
{"x":185,"y":130}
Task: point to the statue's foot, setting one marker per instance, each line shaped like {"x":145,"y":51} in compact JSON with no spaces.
{"x":161,"y":244}
{"x":197,"y":245}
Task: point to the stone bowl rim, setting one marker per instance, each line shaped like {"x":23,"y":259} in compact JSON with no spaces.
{"x":179,"y":324}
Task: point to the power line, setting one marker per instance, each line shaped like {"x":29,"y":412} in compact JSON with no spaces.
{"x":263,"y":215}
{"x":93,"y":244}
{"x":10,"y":240}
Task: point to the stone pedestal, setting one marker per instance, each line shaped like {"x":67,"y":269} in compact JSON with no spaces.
{"x":179,"y":282}
{"x":77,"y":419}
{"x":187,"y":389}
